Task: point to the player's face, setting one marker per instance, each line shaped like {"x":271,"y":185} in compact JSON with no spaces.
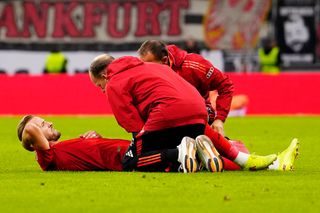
{"x":99,"y":82}
{"x":47,"y":128}
{"x":149,"y":57}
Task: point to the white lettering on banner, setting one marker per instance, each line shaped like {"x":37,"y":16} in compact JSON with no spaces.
{"x":303,"y":11}
{"x":296,"y":58}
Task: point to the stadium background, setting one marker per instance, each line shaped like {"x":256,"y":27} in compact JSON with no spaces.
{"x":83,"y":29}
{"x":227,"y":32}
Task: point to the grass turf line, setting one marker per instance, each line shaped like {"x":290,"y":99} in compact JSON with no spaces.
{"x":24,"y":187}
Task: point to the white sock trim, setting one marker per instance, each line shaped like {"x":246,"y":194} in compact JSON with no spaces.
{"x":241,"y":158}
{"x":274,"y":165}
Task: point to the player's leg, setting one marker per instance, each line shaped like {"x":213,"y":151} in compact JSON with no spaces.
{"x":156,"y":151}
{"x":239,"y":145}
{"x":245,"y":160}
{"x":161,"y":160}
{"x":223,"y":146}
{"x":135,"y":159}
{"x":229,"y":165}
{"x":210,"y":156}
{"x":167,"y":159}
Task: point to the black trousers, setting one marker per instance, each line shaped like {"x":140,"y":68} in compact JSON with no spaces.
{"x":157,"y":150}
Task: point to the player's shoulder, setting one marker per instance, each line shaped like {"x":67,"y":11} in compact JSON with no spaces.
{"x":197,"y":62}
{"x":197,"y":59}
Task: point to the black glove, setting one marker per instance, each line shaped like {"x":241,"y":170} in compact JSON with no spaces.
{"x":211,"y":113}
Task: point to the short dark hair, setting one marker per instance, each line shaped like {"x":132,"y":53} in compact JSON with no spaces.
{"x":157,"y":48}
{"x":99,"y":64}
{"x":22,"y":124}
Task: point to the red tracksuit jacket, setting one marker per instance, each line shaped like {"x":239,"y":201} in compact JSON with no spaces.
{"x":204,"y":77}
{"x":150,"y":97}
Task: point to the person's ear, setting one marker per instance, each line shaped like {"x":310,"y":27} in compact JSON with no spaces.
{"x":165,"y":60}
{"x":104,"y":75}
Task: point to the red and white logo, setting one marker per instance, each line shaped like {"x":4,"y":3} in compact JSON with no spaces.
{"x":234,"y":24}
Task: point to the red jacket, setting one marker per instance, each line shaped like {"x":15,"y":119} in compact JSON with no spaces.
{"x":204,"y":77}
{"x":150,"y":96}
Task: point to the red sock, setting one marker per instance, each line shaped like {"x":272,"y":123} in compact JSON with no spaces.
{"x":221,"y":143}
{"x":230,"y":165}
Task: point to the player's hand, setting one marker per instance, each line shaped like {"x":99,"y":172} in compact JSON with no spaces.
{"x":90,"y":134}
{"x":217,"y":125}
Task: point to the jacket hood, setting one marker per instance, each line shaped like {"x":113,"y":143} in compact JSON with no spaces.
{"x":122,"y":64}
{"x":176,"y":55}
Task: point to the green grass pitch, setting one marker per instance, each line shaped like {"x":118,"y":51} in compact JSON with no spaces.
{"x":25,"y":188}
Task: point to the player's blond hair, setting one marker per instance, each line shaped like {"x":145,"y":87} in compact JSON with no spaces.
{"x":26,"y":143}
{"x":22,"y":124}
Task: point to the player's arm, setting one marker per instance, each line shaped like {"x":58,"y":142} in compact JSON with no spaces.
{"x":124,"y":110}
{"x":224,"y":86}
{"x":208,"y":78}
{"x":33,"y":138}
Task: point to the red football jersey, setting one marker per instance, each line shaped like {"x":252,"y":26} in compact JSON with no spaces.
{"x":204,"y":77}
{"x":79,"y":154}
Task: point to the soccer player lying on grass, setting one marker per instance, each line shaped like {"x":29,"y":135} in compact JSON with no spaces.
{"x":91,"y":152}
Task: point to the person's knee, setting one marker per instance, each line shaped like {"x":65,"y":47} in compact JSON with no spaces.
{"x":130,"y":159}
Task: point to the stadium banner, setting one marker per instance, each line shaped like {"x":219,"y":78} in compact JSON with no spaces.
{"x":295,"y":29}
{"x":65,"y":94}
{"x":99,"y":21}
{"x":226,"y":24}
{"x":234,"y":24}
